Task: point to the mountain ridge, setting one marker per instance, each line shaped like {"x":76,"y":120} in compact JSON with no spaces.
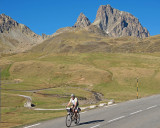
{"x":112,"y":31}
{"x":118,"y":23}
{"x":17,"y":37}
{"x":112,"y":22}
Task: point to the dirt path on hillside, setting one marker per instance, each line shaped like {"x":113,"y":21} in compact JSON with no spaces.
{"x":96,"y":96}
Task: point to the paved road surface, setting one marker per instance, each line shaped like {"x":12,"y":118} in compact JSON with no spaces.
{"x":142,"y":113}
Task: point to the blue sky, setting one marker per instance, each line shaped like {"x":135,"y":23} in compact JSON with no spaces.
{"x":46,"y":16}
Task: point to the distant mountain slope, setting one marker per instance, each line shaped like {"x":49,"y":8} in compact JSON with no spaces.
{"x":84,"y":41}
{"x":112,"y":31}
{"x":16,"y":37}
{"x":119,"y":23}
{"x":112,"y":22}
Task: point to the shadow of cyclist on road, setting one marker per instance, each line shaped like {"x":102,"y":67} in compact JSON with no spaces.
{"x":91,"y":122}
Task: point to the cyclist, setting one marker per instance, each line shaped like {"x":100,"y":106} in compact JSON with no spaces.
{"x":75,"y":103}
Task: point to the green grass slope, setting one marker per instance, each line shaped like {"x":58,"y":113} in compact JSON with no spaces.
{"x":112,"y":75}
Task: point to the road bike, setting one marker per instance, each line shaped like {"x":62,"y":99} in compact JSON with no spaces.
{"x":71,"y":117}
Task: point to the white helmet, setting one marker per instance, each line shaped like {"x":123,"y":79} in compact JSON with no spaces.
{"x":72,"y":95}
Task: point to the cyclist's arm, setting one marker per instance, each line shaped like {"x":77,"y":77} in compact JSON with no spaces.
{"x":69,"y":103}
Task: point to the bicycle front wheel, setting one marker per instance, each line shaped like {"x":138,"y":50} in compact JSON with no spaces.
{"x":68,"y":120}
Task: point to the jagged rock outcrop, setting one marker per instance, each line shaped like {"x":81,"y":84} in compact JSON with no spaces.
{"x":82,"y":21}
{"x":119,"y":23}
{"x":17,"y":37}
{"x":44,"y":36}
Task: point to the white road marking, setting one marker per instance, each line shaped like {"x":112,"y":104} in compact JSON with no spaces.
{"x":95,"y":126}
{"x":152,"y":107}
{"x":116,"y":119}
{"x":135,"y":112}
{"x":32,"y":125}
{"x":130,"y":113}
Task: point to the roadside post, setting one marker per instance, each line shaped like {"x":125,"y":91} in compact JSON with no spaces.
{"x":137,"y":88}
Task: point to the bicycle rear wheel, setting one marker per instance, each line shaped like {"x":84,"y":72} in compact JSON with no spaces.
{"x":68,"y":120}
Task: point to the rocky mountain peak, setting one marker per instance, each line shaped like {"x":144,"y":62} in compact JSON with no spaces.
{"x":6,"y":23}
{"x":119,"y":23}
{"x":82,"y":21}
{"x":5,"y":16}
{"x":16,"y":36}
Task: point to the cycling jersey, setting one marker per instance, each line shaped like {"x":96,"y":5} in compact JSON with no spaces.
{"x":74,"y":101}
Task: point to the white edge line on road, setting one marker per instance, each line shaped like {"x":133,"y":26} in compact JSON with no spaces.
{"x":32,"y":125}
{"x":152,"y":107}
{"x":135,"y":112}
{"x":95,"y":126}
{"x":116,"y":119}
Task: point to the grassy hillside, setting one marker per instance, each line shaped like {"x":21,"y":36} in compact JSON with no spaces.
{"x":86,"y":41}
{"x":108,"y":75}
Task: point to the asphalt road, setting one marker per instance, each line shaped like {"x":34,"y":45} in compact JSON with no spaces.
{"x":141,"y":113}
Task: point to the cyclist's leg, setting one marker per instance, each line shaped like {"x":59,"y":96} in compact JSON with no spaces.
{"x":72,"y":107}
{"x":76,"y":111}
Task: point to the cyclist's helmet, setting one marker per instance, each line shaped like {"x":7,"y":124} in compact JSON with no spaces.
{"x":72,"y":95}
